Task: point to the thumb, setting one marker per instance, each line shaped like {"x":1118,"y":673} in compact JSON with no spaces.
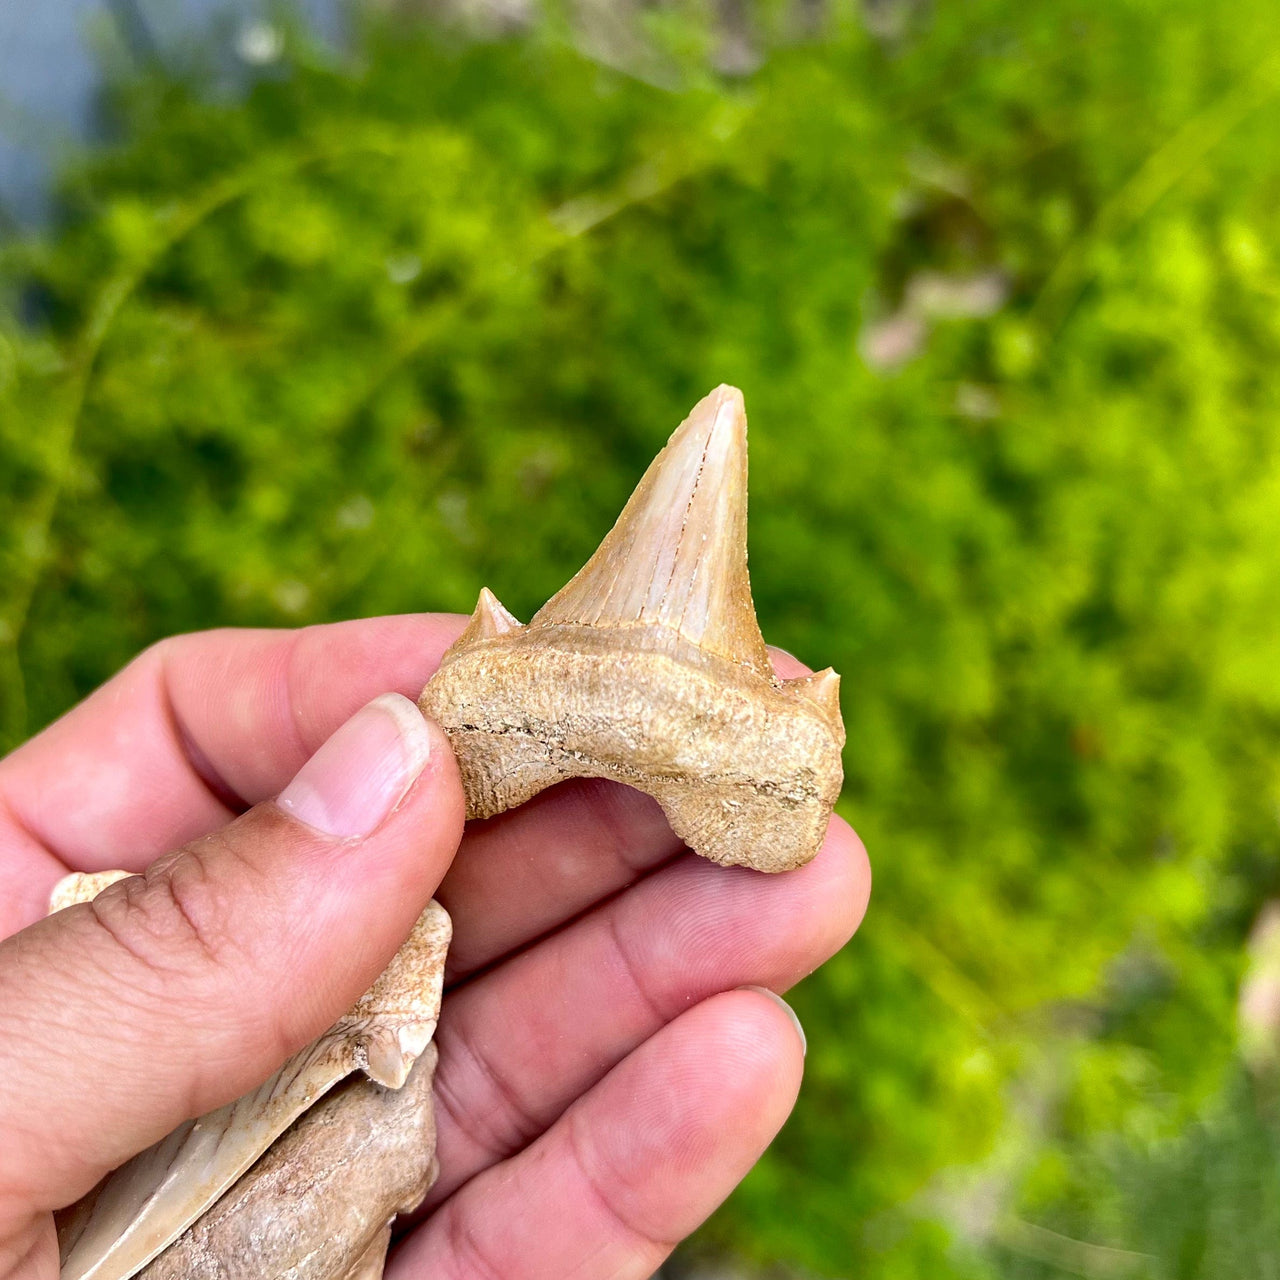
{"x":176,"y":991}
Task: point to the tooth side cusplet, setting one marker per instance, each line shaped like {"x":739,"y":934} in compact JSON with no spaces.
{"x":649,"y":668}
{"x":153,"y":1200}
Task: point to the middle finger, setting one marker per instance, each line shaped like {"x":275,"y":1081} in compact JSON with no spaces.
{"x":526,"y":872}
{"x":519,"y":1043}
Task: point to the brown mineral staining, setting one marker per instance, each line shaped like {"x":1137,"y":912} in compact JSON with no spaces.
{"x":649,"y":668}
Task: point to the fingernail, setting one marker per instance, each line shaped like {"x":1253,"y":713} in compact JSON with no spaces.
{"x":777,"y":652}
{"x":365,"y":768}
{"x":788,"y":1010}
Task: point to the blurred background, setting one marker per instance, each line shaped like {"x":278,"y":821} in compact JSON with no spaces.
{"x":314,"y":312}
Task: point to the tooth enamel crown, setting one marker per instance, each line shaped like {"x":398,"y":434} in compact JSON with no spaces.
{"x":649,"y":668}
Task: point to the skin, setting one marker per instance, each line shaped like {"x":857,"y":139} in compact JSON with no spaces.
{"x":603,"y":1082}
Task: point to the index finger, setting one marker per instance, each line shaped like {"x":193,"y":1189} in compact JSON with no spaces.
{"x":200,"y":727}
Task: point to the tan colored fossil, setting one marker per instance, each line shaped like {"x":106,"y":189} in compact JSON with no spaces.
{"x":206,"y":1199}
{"x":648,"y":668}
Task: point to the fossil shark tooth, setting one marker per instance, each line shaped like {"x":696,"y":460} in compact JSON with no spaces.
{"x":82,"y":886}
{"x":318,"y":1205}
{"x":489,"y":620}
{"x":148,"y":1203}
{"x":371,"y":1264}
{"x":649,"y":668}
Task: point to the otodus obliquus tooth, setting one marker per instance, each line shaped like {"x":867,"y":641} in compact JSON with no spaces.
{"x":318,"y":1205}
{"x":649,"y":668}
{"x":200,"y":1197}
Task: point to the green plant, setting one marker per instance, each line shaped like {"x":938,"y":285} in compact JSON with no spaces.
{"x":377,"y":335}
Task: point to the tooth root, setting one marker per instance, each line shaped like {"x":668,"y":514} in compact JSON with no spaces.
{"x":677,"y":557}
{"x":822,"y":689}
{"x":489,"y":620}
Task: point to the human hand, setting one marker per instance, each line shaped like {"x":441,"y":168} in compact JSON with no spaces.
{"x":603,"y":1082}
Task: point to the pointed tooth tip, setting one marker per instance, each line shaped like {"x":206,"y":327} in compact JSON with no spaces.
{"x":677,"y":556}
{"x":726,"y":393}
{"x":720,"y":410}
{"x":727,"y":397}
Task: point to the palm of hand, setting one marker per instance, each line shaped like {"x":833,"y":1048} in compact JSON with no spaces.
{"x":602,"y":1083}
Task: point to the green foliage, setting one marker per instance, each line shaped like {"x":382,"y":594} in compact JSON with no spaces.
{"x":374,"y":336}
{"x":1203,"y":1203}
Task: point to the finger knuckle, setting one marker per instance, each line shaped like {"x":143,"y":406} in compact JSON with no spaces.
{"x":634,"y":973}
{"x":619,"y":1194}
{"x":170,"y":921}
{"x":466,"y":1249}
{"x":479,"y":1098}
